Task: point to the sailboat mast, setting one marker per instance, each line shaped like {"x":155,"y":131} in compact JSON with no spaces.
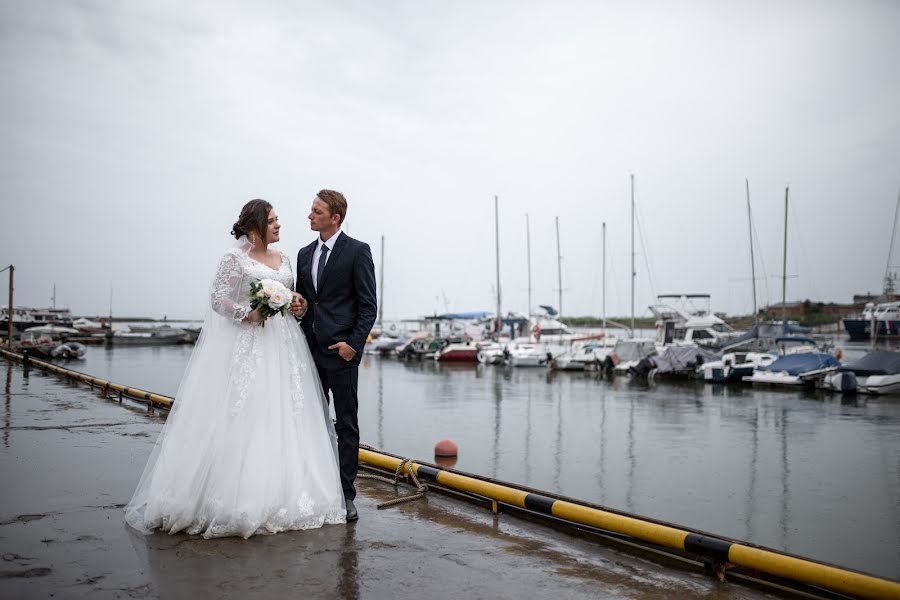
{"x":499,"y":325}
{"x":603,"y":304}
{"x":559,"y":268}
{"x":10,"y":312}
{"x":784,"y":266}
{"x":889,"y":287}
{"x":381,"y":285}
{"x":109,"y":333}
{"x":528,"y":250}
{"x":633,"y":274}
{"x":752,"y":261}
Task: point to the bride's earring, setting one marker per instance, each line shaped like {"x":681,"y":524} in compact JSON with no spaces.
{"x":253,"y":238}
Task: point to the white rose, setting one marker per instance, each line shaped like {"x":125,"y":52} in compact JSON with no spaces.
{"x":278,"y":299}
{"x":269,"y":286}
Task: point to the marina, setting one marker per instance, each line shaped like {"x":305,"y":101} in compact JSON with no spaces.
{"x":803,"y":471}
{"x":604,"y":299}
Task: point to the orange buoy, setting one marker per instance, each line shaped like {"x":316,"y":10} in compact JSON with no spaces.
{"x":448,"y":462}
{"x":446,"y":448}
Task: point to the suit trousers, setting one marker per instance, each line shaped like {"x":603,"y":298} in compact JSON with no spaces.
{"x":342,"y":382}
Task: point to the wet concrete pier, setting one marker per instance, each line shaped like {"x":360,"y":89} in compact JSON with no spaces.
{"x":70,"y":460}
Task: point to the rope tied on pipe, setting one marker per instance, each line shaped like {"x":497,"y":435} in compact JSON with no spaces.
{"x":405,"y":465}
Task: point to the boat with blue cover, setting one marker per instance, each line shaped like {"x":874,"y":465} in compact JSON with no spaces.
{"x":801,"y":363}
{"x":877,"y":372}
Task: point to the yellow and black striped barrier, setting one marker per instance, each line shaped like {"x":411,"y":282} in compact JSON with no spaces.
{"x":150,"y":399}
{"x":711,"y":548}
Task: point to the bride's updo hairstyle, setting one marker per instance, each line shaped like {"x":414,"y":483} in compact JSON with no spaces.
{"x":254,"y":219}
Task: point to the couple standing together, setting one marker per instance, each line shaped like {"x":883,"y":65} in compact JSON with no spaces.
{"x":249,"y":446}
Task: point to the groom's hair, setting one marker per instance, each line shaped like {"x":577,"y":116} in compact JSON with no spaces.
{"x":336,"y":202}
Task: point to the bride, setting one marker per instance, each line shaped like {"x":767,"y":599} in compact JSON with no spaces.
{"x":248,"y":447}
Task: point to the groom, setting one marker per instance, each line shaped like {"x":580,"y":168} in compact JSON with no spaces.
{"x":336,"y":283}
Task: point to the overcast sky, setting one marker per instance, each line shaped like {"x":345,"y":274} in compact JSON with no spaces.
{"x":133,"y":132}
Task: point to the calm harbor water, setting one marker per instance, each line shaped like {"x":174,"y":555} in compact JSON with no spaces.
{"x":816,"y":475}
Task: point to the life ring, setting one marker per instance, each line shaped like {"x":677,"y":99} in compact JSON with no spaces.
{"x":536,"y":329}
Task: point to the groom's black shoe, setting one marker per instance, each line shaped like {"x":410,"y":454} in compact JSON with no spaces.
{"x":352,"y":515}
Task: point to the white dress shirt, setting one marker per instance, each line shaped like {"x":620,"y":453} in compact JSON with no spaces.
{"x":315,"y":258}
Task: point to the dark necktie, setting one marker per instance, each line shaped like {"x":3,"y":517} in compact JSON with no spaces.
{"x":323,"y":256}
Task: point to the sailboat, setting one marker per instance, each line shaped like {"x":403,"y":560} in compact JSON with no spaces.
{"x":628,"y":353}
{"x":881,"y":320}
{"x":549,"y":337}
{"x":737,"y":361}
{"x":801,"y":362}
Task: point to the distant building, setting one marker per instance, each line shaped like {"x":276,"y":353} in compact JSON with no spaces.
{"x":800,"y":309}
{"x":862,"y":299}
{"x":832,"y":308}
{"x":790,"y":309}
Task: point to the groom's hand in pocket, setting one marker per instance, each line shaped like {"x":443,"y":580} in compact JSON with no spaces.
{"x":344,"y":350}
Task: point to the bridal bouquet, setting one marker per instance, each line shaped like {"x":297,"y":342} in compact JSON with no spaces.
{"x":270,"y":297}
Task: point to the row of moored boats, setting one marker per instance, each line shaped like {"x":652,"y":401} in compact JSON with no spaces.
{"x":689,"y":344}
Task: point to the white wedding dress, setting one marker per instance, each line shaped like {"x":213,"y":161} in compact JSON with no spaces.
{"x":248,"y":446}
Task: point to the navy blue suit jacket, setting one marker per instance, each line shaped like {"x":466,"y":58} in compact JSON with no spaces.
{"x":345,"y":307}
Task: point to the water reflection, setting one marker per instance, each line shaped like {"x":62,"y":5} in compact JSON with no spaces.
{"x":629,"y":498}
{"x":325,"y":560}
{"x":528,"y":470}
{"x":601,"y":453}
{"x":7,"y":415}
{"x":380,"y":430}
{"x":498,"y":400}
{"x":557,"y":472}
{"x":751,"y":488}
{"x":348,"y":586}
{"x":785,"y":481}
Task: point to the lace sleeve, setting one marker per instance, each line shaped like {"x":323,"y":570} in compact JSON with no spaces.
{"x":285,"y":258}
{"x":226,"y":289}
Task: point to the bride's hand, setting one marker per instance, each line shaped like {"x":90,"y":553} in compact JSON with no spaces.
{"x":255,"y":316}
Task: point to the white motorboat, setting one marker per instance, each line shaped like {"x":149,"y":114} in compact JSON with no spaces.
{"x":149,"y":336}
{"x":53,"y":331}
{"x":800,"y":363}
{"x":384,"y":345}
{"x":584,"y":355}
{"x":882,"y":384}
{"x":734,"y":366}
{"x":885,"y":317}
{"x":528,"y":354}
{"x":490,"y":353}
{"x":87,"y":326}
{"x":627,"y":354}
{"x":524,"y":353}
{"x":674,"y":361}
{"x":685,"y":319}
{"x":458,"y":350}
{"x":24,"y":317}
{"x":877,"y":372}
